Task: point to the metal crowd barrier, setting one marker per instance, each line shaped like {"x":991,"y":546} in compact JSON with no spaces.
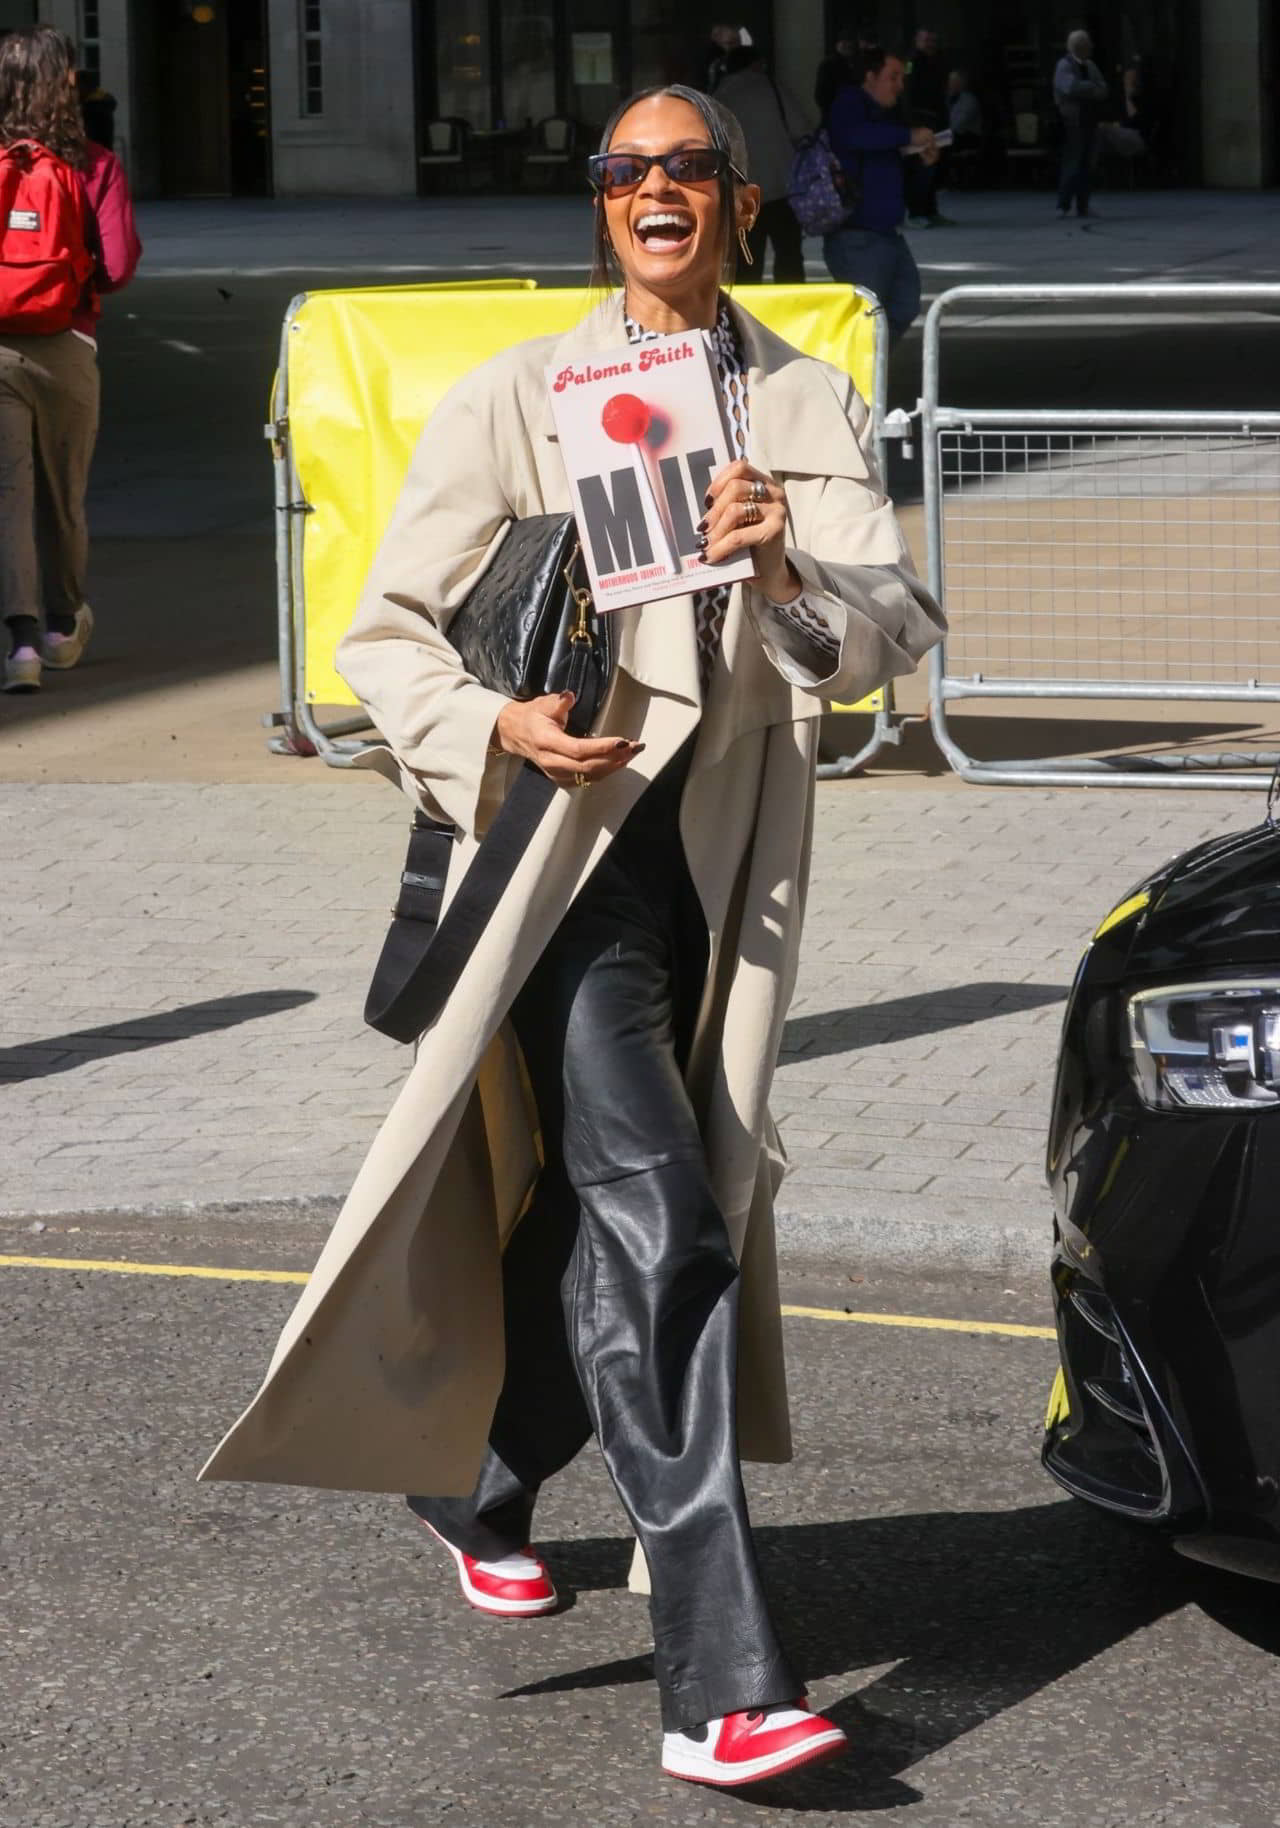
{"x":1098,"y":555}
{"x":360,"y":371}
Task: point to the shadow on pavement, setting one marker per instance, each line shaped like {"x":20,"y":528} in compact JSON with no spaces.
{"x":931,"y":1012}
{"x":63,"y":1053}
{"x":961,"y":1615}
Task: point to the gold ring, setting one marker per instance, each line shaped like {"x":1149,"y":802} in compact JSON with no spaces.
{"x":750,"y":514}
{"x":580,"y":780}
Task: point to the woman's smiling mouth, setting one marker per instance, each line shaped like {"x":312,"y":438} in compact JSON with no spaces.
{"x":663,"y":231}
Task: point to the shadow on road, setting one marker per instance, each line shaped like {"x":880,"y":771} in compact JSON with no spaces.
{"x":931,"y":1012}
{"x":63,"y":1053}
{"x":962,"y":1615}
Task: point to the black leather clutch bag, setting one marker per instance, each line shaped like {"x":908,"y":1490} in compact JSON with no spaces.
{"x":527,"y":627}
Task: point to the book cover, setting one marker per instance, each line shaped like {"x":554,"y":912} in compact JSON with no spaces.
{"x":642,"y":433}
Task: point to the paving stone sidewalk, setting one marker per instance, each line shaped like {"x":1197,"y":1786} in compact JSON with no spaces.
{"x":185,"y":966}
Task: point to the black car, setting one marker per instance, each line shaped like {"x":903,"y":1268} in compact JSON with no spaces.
{"x":1164,"y":1162}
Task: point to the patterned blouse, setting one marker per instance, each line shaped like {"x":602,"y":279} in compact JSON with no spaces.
{"x":800,"y":628}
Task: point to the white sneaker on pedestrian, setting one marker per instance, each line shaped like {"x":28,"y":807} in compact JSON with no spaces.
{"x":21,"y":671}
{"x":62,"y":651}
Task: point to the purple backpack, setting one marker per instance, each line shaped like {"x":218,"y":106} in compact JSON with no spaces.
{"x":818,"y":191}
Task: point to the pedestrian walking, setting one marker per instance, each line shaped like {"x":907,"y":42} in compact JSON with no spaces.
{"x":1079,"y":89}
{"x":772,"y":120}
{"x":97,"y":110}
{"x":926,"y":98}
{"x":964,"y":113}
{"x":594,"y":1091}
{"x":67,"y":235}
{"x":869,"y":138}
{"x":723,"y":39}
{"x":838,"y":70}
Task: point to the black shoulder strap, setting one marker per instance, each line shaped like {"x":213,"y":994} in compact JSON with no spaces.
{"x":405,"y":1009}
{"x":409,"y":991}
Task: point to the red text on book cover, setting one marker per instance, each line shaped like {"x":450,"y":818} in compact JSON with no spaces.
{"x":641,"y":432}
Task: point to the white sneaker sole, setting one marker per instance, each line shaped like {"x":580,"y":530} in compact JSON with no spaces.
{"x":696,"y":1766}
{"x":484,"y":1602}
{"x":70,"y":652}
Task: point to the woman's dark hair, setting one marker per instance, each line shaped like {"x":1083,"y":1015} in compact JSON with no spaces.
{"x":724,"y":133}
{"x":37,"y":98}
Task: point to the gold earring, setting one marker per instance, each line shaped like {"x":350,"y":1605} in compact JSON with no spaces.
{"x":747,"y":255}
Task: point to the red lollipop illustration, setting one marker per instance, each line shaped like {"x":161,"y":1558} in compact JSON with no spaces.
{"x":626,"y":419}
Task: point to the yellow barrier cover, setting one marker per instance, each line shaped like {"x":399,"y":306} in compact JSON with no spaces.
{"x":366,"y":368}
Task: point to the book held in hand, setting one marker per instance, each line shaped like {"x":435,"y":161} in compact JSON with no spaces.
{"x":642,"y":433}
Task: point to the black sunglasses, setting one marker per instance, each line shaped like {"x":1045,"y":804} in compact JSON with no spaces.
{"x":612,"y":172}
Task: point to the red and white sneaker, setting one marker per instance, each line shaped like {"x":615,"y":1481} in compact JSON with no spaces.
{"x":744,"y":1748}
{"x":516,"y":1587}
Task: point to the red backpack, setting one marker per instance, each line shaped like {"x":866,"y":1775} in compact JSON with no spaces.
{"x":45,"y":262}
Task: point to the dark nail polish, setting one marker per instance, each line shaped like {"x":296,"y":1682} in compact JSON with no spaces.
{"x":707,"y":499}
{"x":701,"y":527}
{"x":623,"y":743}
{"x":702,"y":542}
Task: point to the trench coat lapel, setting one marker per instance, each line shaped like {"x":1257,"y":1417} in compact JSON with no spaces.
{"x":797,"y":428}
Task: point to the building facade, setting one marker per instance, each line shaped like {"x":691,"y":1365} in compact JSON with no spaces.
{"x":346,"y":97}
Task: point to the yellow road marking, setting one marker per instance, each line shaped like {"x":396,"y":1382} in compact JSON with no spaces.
{"x":211,"y":1273}
{"x":113,"y":1267}
{"x":923,"y":1320}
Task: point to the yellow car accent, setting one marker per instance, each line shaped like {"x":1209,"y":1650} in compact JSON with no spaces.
{"x":1059,"y":1408}
{"x":1134,"y":905}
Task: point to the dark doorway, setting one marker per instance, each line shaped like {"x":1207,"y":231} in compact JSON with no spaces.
{"x":205,"y":127}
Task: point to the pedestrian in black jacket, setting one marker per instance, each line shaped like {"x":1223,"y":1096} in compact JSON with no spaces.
{"x":1078,"y":90}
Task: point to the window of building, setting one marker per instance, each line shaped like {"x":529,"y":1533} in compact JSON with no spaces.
{"x":311,"y":42}
{"x":91,"y":40}
{"x":595,"y":66}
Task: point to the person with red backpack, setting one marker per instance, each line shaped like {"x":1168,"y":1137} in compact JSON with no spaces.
{"x":67,"y":235}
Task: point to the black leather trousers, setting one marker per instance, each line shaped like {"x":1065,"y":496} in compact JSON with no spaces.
{"x":620,"y":1284}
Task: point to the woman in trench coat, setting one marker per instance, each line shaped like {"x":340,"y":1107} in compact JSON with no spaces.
{"x":565,"y":1225}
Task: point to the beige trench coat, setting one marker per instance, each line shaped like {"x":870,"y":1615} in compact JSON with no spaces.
{"x":387,"y":1372}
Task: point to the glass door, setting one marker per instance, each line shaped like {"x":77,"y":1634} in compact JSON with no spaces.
{"x":464,"y":62}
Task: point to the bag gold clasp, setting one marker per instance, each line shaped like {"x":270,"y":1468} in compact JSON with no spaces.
{"x":580,"y":633}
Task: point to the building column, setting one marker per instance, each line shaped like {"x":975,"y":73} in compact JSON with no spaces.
{"x":352,"y":132}
{"x":799,"y":45}
{"x":1236,"y":62}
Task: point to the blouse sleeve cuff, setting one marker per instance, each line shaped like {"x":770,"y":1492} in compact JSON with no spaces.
{"x":803,"y":638}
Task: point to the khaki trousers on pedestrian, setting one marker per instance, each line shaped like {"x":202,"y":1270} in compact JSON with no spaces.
{"x":48,"y":426}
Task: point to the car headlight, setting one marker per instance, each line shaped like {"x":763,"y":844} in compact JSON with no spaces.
{"x":1207,"y":1046}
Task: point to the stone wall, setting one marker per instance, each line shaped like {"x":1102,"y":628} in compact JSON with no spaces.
{"x":364,"y":143}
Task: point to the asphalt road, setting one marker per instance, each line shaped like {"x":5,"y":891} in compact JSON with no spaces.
{"x":271,"y":1658}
